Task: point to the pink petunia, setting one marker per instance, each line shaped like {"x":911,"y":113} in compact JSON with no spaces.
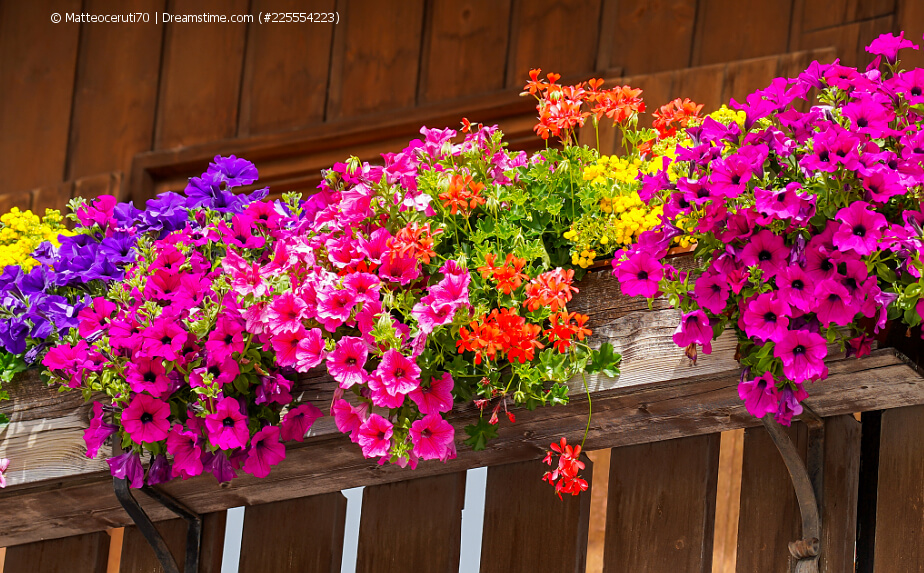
{"x":767,"y":251}
{"x":4,"y":465}
{"x":98,"y":432}
{"x":348,"y":418}
{"x":429,"y":316}
{"x":335,"y":306}
{"x":310,"y":351}
{"x":363,"y":287}
{"x":297,"y":421}
{"x":834,"y":305}
{"x":432,"y":438}
{"x":147,"y":375}
{"x":265,"y":451}
{"x":164,"y":338}
{"x":711,"y":292}
{"x":285,"y":313}
{"x":766,"y":317}
{"x":227,"y":427}
{"x":435,"y":398}
{"x":285,"y":345}
{"x":226,"y":339}
{"x":860,"y":228}
{"x":183,"y":445}
{"x":128,"y":467}
{"x":375,"y":436}
{"x":760,"y":395}
{"x":639,"y":275}
{"x":399,"y":373}
{"x":346,"y":362}
{"x":222,"y":372}
{"x":96,"y":317}
{"x":694,"y":328}
{"x":802,"y":353}
{"x":796,"y":288}
{"x":273,"y":389}
{"x":790,"y":404}
{"x":145,"y":419}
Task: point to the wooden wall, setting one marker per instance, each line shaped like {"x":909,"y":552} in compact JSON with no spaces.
{"x":80,"y":101}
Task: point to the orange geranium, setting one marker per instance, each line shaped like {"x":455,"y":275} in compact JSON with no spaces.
{"x":565,"y":328}
{"x":551,"y":288}
{"x":500,"y":332}
{"x":679,"y":112}
{"x":414,"y":241}
{"x":462,"y":194}
{"x":508,"y":276}
{"x":619,"y":104}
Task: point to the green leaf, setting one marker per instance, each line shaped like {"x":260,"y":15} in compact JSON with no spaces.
{"x":479,"y":434}
{"x":605,"y":360}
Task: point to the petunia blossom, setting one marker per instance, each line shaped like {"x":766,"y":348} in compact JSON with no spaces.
{"x":432,"y":437}
{"x":639,"y":275}
{"x":375,"y":436}
{"x":860,"y":228}
{"x":265,"y":451}
{"x":98,"y":432}
{"x":227,"y":427}
{"x":802,"y":353}
{"x":346,"y":362}
{"x":145,"y":419}
{"x":694,"y":328}
{"x":435,"y":398}
{"x":766,"y":317}
{"x":297,"y":421}
{"x":183,"y":445}
{"x":127,"y":466}
{"x":399,"y":373}
{"x":760,"y":395}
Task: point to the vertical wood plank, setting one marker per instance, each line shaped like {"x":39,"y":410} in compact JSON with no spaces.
{"x":526,"y":526}
{"x":286,"y":70}
{"x":661,"y":508}
{"x":78,"y":554}
{"x":555,"y":35}
{"x":742,"y":78}
{"x":201,"y":75}
{"x":52,"y":197}
{"x":910,"y":18}
{"x":412,"y":525}
{"x":900,"y":505}
{"x":630,"y":27}
{"x":303,"y":534}
{"x":10,"y":200}
{"x":466,"y":51}
{"x":729,"y":30}
{"x":728,"y":502}
{"x":769,"y":517}
{"x":116,"y":91}
{"x":839,"y":500}
{"x":376,"y":57}
{"x":37,"y":64}
{"x":596,"y":536}
{"x":138,"y":557}
{"x":702,"y":85}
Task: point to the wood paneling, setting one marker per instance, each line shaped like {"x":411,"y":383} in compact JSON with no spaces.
{"x":526,"y":526}
{"x":116,"y":91}
{"x":900,"y":506}
{"x":138,"y":557}
{"x":728,"y":502}
{"x":596,"y":530}
{"x":910,"y":18}
{"x":465,"y":49}
{"x":286,"y":70}
{"x":729,"y":30}
{"x":79,"y":554}
{"x":304,"y":535}
{"x":37,"y":63}
{"x":627,"y":30}
{"x":661,"y":507}
{"x":556,"y":35}
{"x":412,"y":525}
{"x":201,"y":75}
{"x":839,"y":500}
{"x":375,"y":58}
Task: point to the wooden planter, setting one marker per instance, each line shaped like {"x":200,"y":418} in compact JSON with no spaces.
{"x":55,"y":491}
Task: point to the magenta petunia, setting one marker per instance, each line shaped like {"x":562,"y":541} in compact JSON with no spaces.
{"x":435,"y":398}
{"x":834,"y":305}
{"x":802,"y":353}
{"x":310,"y":351}
{"x":860,"y":228}
{"x":297,"y":421}
{"x":399,"y":373}
{"x":399,"y":269}
{"x":380,"y":394}
{"x":790,"y":404}
{"x":227,"y":427}
{"x":766,"y":317}
{"x":760,"y":395}
{"x":147,"y":375}
{"x":362,"y":287}
{"x":285,"y":313}
{"x":95,"y":317}
{"x":888,"y":45}
{"x":226,"y":339}
{"x":711,"y":292}
{"x":183,"y":445}
{"x":432,"y":438}
{"x":219,"y":465}
{"x":767,"y":251}
{"x":4,"y":465}
{"x":285,"y":346}
{"x":335,"y":306}
{"x":348,"y":418}
{"x":639,"y":275}
{"x":145,"y":419}
{"x":273,"y":389}
{"x":160,"y":470}
{"x":128,"y":467}
{"x":346,"y":361}
{"x":694,"y":328}
{"x":375,"y":436}
{"x":265,"y":451}
{"x":429,"y":316}
{"x":98,"y":432}
{"x":164,"y":338}
{"x":796,"y":288}
{"x":222,"y":372}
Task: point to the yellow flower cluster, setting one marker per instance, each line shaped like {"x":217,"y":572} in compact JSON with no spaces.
{"x":624,"y":218}
{"x":612,"y":168}
{"x":22,"y":231}
{"x":727,"y":115}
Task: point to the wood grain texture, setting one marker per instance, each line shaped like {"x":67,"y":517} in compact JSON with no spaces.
{"x":527,"y":528}
{"x":596,"y":529}
{"x":465,"y":49}
{"x":412,"y":525}
{"x":729,"y":30}
{"x":556,"y":35}
{"x":286,"y":70}
{"x":769,"y":517}
{"x":375,"y":60}
{"x":728,"y":502}
{"x":328,"y":462}
{"x":661,"y":507}
{"x":910,"y":18}
{"x":629,"y":26}
{"x":138,"y":557}
{"x":115,"y":95}
{"x":839,"y":503}
{"x":271,"y":540}
{"x":78,"y":554}
{"x":201,"y":75}
{"x":900,"y":506}
{"x":51,"y":197}
{"x":38,"y":60}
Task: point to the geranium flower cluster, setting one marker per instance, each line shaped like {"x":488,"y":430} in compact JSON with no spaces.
{"x":807,"y":223}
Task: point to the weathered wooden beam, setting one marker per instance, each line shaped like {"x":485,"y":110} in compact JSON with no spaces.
{"x":621,"y":416}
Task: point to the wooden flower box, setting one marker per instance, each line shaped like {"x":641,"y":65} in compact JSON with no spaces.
{"x":55,"y":491}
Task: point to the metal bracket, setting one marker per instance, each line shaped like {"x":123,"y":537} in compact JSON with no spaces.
{"x":150,"y":532}
{"x":807,"y":483}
